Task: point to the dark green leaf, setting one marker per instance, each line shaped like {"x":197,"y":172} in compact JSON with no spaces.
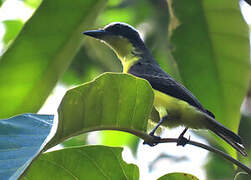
{"x":38,"y":57}
{"x":89,"y":162}
{"x":21,"y":140}
{"x":211,"y":47}
{"x":113,"y":101}
{"x":218,"y":168}
{"x":82,"y":71}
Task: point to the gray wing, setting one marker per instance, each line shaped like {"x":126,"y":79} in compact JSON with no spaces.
{"x":164,"y":83}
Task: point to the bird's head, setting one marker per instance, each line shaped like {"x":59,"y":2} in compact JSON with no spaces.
{"x":122,"y":38}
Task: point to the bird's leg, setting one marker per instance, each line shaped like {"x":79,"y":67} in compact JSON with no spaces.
{"x":153,"y":131}
{"x":182,"y":141}
{"x":157,"y":126}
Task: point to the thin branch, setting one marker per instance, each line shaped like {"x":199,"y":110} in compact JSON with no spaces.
{"x":154,"y":141}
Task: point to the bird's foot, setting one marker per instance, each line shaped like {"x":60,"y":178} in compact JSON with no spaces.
{"x":154,"y":141}
{"x":182,"y":141}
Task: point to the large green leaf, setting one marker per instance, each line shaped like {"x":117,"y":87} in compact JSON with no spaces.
{"x":30,"y":68}
{"x":211,"y":47}
{"x":110,"y":102}
{"x":21,"y":140}
{"x":89,"y":162}
{"x":178,"y":176}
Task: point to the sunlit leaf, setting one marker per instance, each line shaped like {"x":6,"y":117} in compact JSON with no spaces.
{"x":76,"y":141}
{"x":43,"y":50}
{"x":21,"y":140}
{"x":211,"y":47}
{"x":33,"y":3}
{"x":117,"y":138}
{"x":12,"y":28}
{"x":89,"y":162}
{"x":110,"y":102}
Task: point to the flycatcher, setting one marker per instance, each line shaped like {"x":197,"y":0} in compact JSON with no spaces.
{"x":176,"y":104}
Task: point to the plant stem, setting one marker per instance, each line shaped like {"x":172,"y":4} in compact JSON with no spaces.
{"x":209,"y":148}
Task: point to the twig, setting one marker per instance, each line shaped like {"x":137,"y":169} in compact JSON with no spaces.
{"x":209,"y":148}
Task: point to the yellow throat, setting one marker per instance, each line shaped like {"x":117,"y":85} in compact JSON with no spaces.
{"x":123,"y":49}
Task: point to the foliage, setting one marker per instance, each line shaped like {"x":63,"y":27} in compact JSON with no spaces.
{"x":32,"y":65}
{"x":22,"y":138}
{"x":79,"y":111}
{"x":207,"y":49}
{"x":203,"y":44}
{"x":89,"y":162}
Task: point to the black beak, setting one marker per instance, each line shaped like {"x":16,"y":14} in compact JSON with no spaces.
{"x":98,"y":34}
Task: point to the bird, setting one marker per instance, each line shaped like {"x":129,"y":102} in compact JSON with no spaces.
{"x":176,"y":105}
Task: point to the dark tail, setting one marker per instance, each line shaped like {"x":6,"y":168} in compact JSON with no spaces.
{"x":230,"y":137}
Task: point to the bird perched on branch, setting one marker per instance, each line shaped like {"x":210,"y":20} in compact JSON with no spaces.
{"x":178,"y":106}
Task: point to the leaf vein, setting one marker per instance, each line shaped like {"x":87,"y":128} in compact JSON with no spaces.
{"x":62,"y":167}
{"x":119,"y":164}
{"x":95,"y":163}
{"x":134,"y":109}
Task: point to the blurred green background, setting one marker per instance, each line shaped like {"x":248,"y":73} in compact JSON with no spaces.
{"x":203,"y":44}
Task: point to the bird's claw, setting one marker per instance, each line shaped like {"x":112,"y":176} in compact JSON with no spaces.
{"x":154,"y":141}
{"x":182,"y":141}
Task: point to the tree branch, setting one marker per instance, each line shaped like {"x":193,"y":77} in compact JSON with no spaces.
{"x":155,"y":141}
